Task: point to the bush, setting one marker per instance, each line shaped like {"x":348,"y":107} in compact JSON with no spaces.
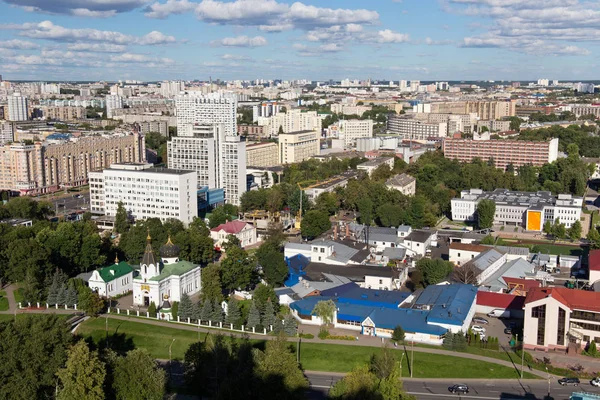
{"x":340,"y":337}
{"x":398,"y":334}
{"x":152,"y":310}
{"x":306,"y":336}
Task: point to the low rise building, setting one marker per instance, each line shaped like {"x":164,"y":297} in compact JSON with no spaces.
{"x":528,"y":209}
{"x":251,"y":130}
{"x":114,"y":280}
{"x":262,"y":154}
{"x":370,"y":166}
{"x":329,"y":185}
{"x":246,"y":233}
{"x":555,"y":317}
{"x":404,"y":183}
{"x":503,"y":152}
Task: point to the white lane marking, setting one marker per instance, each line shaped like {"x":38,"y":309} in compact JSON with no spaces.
{"x":319,"y":387}
{"x":457,"y":396}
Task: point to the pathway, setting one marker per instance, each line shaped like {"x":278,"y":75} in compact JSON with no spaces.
{"x":10,"y":295}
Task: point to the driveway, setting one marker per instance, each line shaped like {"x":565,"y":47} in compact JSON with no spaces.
{"x":496,"y":327}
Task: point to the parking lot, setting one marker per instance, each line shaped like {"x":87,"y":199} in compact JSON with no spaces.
{"x":495,"y":327}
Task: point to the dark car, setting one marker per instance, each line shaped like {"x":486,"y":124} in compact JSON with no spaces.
{"x":458,"y":389}
{"x":508,"y":331}
{"x":569,"y":381}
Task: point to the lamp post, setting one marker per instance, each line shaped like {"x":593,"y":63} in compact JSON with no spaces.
{"x":412,"y":358}
{"x":298,"y":348}
{"x":548,"y":372}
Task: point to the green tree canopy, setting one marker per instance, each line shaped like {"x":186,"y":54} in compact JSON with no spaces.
{"x":315,"y":223}
{"x":486,"y":209}
{"x":83,"y":376}
{"x":137,"y":376}
{"x":434,"y":270}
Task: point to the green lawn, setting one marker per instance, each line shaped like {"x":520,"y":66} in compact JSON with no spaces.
{"x":544,"y":247}
{"x":313,"y":356}
{"x":19,"y":295}
{"x":3,"y":301}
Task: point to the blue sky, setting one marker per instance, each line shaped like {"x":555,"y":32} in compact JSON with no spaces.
{"x":308,"y":39}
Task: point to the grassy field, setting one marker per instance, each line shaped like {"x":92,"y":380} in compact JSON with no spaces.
{"x":18,"y":295}
{"x":544,"y":247}
{"x":3,"y":301}
{"x":313,"y":356}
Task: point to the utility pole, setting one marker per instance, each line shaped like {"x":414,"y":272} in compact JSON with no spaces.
{"x":522,"y":355}
{"x":298,"y":348}
{"x":170,"y":366}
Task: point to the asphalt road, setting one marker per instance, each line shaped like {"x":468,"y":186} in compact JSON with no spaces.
{"x":69,"y":203}
{"x":430,"y":389}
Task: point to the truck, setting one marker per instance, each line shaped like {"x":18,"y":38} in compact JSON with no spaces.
{"x":584,"y":396}
{"x":499,"y":313}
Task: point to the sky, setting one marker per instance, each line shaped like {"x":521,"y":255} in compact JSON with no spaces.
{"x":309,"y":39}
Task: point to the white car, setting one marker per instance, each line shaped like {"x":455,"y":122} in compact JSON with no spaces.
{"x":478,"y":329}
{"x":595,"y":382}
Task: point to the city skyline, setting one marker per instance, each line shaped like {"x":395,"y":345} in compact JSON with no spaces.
{"x":252,"y":39}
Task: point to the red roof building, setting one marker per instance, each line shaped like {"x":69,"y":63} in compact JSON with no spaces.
{"x":246,"y":233}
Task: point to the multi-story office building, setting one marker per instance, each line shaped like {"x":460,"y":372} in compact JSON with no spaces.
{"x":408,"y":128}
{"x":292,"y":121}
{"x":145,"y":191}
{"x":63,"y":113}
{"x":485,"y":109}
{"x":113,"y":102}
{"x":219,"y":160}
{"x":298,"y":146}
{"x":7,"y":132}
{"x":266,"y":109}
{"x":456,"y":122}
{"x":213,"y":108}
{"x":159,"y":126}
{"x":351,"y":130}
{"x":37,"y":169}
{"x":583,"y":109}
{"x":347,"y":109}
{"x":528,"y":209}
{"x":18,"y":107}
{"x":262,"y":154}
{"x":502,"y":152}
{"x":585,"y":87}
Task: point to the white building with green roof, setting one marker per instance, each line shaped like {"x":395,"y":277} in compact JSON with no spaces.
{"x":165,"y":280}
{"x":112,"y":280}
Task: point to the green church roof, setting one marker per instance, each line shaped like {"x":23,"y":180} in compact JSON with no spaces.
{"x":179,"y":268}
{"x":114,"y":271}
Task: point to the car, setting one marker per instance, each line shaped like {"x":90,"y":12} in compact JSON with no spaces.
{"x":480,"y":320}
{"x":508,"y":331}
{"x":512,"y":324}
{"x":595,"y":382}
{"x":482,"y":336}
{"x":569,"y":381}
{"x":460,"y":388}
{"x":477,"y":328}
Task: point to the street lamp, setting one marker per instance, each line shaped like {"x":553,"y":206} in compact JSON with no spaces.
{"x":170,"y":367}
{"x":548,"y":372}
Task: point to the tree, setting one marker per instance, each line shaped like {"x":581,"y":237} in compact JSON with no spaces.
{"x":206,"y":312}
{"x":325,"y":309}
{"x":217,"y":312}
{"x":434,"y":271}
{"x":72,"y":297}
{"x":152,"y":310}
{"x":416,"y":280}
{"x":327,"y":202}
{"x":548,"y":227}
{"x":273,"y":264}
{"x":290,"y":325}
{"x":83,"y":375}
{"x":264,"y":294}
{"x":137,"y":376}
{"x":234,"y":315}
{"x":269,"y":318}
{"x":466,"y":273}
{"x":32,"y":350}
{"x":558,"y":230}
{"x":185,"y":307}
{"x":211,"y":283}
{"x":280,"y":131}
{"x":121,"y":219}
{"x":488,"y":239}
{"x":314,"y":223}
{"x":278,"y":370}
{"x":574,"y":232}
{"x":238,"y":269}
{"x":58,"y":279}
{"x":90,"y":302}
{"x":359,"y":384}
{"x":398,"y":334}
{"x":594,"y":238}
{"x":365,"y":209}
{"x":253,"y":316}
{"x":485,"y":213}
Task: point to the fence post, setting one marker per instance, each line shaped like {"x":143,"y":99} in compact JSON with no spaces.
{"x":75,"y":306}
{"x":220,"y":324}
{"x":118,"y":311}
{"x":47,"y":306}
{"x":38,"y":305}
{"x":138,"y":312}
{"x":209,"y":323}
{"x":66,"y":307}
{"x":253,"y":329}
{"x":242,"y":328}
{"x":231,"y":326}
{"x":265,"y":330}
{"x":56,"y":306}
{"x":108,"y":311}
{"x":128,"y":312}
{"x":147,"y":314}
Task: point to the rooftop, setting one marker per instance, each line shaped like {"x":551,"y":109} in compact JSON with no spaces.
{"x":114,"y":271}
{"x":420,"y":236}
{"x":485,"y":259}
{"x":352,"y":292}
{"x":297,"y":132}
{"x":375,"y":162}
{"x":574,"y":299}
{"x":231,"y":227}
{"x":176,"y":269}
{"x":344,"y":176}
{"x":357,"y":273}
{"x":449,"y":304}
{"x":468,"y":247}
{"x":400,"y":180}
{"x":536,"y":200}
{"x":594,"y":260}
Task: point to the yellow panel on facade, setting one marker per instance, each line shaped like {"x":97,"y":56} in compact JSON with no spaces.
{"x":534,"y":220}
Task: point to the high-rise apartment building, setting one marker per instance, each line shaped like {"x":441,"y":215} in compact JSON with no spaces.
{"x":113,"y":102}
{"x":219,"y":160}
{"x":484,"y":109}
{"x":7,"y":132}
{"x":502,"y":152}
{"x":171,"y":88}
{"x":213,"y":108}
{"x":410,"y":128}
{"x":18,"y":107}
{"x":37,"y":169}
{"x":145,"y":191}
{"x":68,"y":113}
{"x":292,"y":121}
{"x":267,"y":109}
{"x":298,"y":146}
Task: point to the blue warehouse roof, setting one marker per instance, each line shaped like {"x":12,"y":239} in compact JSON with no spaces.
{"x":449,"y":304}
{"x":412,"y":321}
{"x":352,"y":293}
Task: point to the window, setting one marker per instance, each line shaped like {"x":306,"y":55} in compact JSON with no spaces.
{"x":560,"y":333}
{"x":539,"y":312}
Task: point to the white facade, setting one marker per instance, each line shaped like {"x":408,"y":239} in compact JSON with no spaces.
{"x":113,"y":102}
{"x":350,"y":130}
{"x":379,"y":282}
{"x":18,"y":107}
{"x":291,"y":121}
{"x":418,"y":130}
{"x":117,"y":282}
{"x":246,"y":233}
{"x":298,"y":146}
{"x":219,"y":160}
{"x":146,"y":192}
{"x":171,"y":88}
{"x":206,"y":109}
{"x":370,"y":166}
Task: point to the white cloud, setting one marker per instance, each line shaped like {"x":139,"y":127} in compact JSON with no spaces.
{"x":163,"y":10}
{"x":388,"y":36}
{"x":49,"y":31}
{"x":80,"y":8}
{"x":552,"y":27}
{"x":235,"y":57}
{"x":241,"y":41}
{"x":430,"y":42}
{"x":97,"y":47}
{"x":18,"y":44}
{"x":343,"y":35}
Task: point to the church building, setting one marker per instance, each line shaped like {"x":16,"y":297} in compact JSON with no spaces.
{"x":164,"y":281}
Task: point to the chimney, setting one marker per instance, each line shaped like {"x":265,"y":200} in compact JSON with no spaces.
{"x":347,"y":230}
{"x":335,"y":232}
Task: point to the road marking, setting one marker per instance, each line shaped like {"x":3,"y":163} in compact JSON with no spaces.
{"x":319,"y":387}
{"x":457,"y":396}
